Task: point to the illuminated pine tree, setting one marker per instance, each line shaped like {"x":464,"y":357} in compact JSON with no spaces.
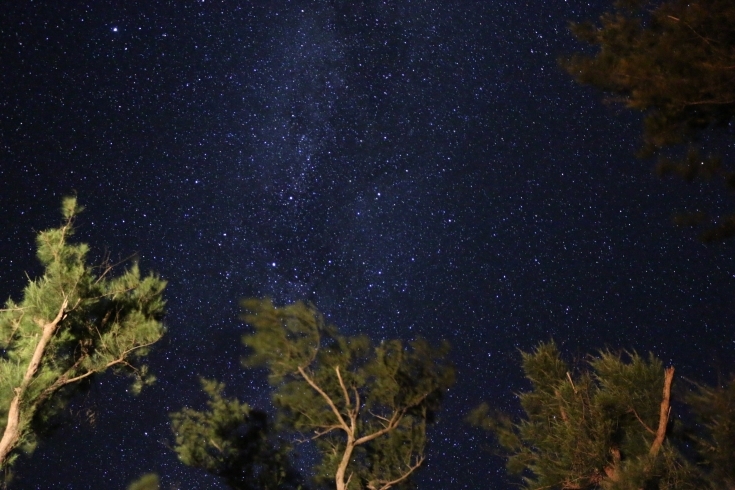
{"x":72,"y":322}
{"x":366,"y":407}
{"x":606,"y":427}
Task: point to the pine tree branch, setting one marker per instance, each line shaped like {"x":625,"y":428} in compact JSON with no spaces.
{"x":319,"y":433}
{"x":48,"y":331}
{"x":16,"y":327}
{"x":611,"y":471}
{"x":378,"y":416}
{"x":388,"y":484}
{"x":392,"y":424}
{"x":342,"y":385}
{"x":120,"y":360}
{"x":357,"y":401}
{"x":663,"y":417}
{"x":642,"y":422}
{"x":326,"y":397}
{"x":63,"y":380}
{"x":108,"y":267}
{"x":12,"y":428}
{"x":347,"y":483}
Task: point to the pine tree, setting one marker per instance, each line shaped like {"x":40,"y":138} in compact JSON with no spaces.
{"x":714,"y":432}
{"x":606,"y":427}
{"x":675,"y":61}
{"x":234,"y":442}
{"x":72,"y":322}
{"x":367,"y":408}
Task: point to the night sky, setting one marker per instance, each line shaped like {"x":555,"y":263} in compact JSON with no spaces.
{"x":411,"y":167}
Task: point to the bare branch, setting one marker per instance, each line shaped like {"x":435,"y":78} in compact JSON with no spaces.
{"x":48,"y":331}
{"x":347,"y":483}
{"x":378,"y":416}
{"x":13,"y":428}
{"x":642,"y":422}
{"x":385,"y":485}
{"x":326,"y":431}
{"x":357,"y":399}
{"x":326,"y":397}
{"x":392,"y":424}
{"x":663,"y":418}
{"x":342,"y":385}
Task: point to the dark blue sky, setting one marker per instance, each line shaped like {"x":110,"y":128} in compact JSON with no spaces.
{"x":413,"y":167}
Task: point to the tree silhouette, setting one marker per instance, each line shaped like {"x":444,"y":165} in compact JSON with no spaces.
{"x":234,"y":442}
{"x":675,"y":61}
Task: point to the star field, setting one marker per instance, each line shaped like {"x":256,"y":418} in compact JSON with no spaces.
{"x":413,"y":168}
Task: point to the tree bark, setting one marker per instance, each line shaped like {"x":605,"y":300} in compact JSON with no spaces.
{"x":12,"y":428}
{"x":339,"y":477}
{"x":663,"y":416}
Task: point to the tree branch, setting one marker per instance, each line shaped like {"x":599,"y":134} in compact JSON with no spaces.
{"x":379,"y":417}
{"x":392,"y":424}
{"x":63,"y":380}
{"x":641,"y":421}
{"x":326,"y":397}
{"x":388,"y":484}
{"x":342,"y":385}
{"x":395,"y":419}
{"x":319,"y":433}
{"x":663,"y":417}
{"x":12,"y":428}
{"x":47,"y":332}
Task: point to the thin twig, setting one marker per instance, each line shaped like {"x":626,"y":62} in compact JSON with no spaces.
{"x":642,"y":422}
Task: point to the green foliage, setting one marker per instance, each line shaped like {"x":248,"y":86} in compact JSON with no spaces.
{"x":366,"y":407}
{"x":148,"y":481}
{"x":593,"y":429}
{"x":675,"y":61}
{"x":714,"y":409}
{"x":232,"y":441}
{"x":78,"y":320}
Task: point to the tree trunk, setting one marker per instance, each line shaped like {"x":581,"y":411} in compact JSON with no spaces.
{"x":663,"y":417}
{"x":12,"y":428}
{"x":339,"y":478}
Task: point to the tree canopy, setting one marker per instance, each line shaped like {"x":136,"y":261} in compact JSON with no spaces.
{"x":234,"y":442}
{"x":609,"y":426}
{"x":675,"y":61}
{"x":366,"y":407}
{"x":72,"y":322}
